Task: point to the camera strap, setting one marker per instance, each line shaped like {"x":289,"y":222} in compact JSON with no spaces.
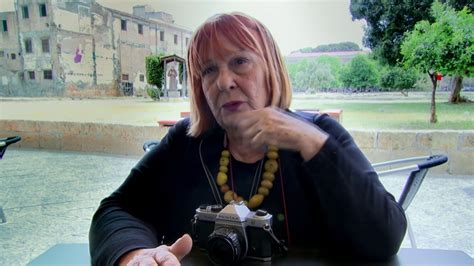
{"x":282,"y":248}
{"x":210,"y":179}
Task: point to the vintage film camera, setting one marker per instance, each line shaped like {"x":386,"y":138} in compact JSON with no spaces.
{"x":233,"y":233}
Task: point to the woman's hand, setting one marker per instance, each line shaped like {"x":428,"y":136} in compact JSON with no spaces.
{"x":272,"y":126}
{"x":162,"y":255}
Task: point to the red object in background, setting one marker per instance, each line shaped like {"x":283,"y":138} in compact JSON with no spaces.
{"x":439,"y":76}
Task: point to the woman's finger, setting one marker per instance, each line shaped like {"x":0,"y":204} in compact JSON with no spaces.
{"x":168,"y":259}
{"x":182,"y":246}
{"x":143,"y":261}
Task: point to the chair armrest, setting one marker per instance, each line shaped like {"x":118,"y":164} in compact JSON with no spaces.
{"x":9,"y":140}
{"x":432,"y":161}
{"x":150,"y":144}
{"x":5,"y":142}
{"x":417,"y":171}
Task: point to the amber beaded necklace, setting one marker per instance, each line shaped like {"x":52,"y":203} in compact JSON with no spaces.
{"x":270,"y":167}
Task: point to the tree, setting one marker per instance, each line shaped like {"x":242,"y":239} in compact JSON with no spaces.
{"x":155,"y":74}
{"x":444,"y":46}
{"x":332,"y":47}
{"x":397,"y":78}
{"x":297,"y":73}
{"x":323,"y":73}
{"x":458,"y":53}
{"x":360,"y":73}
{"x":387,"y":21}
{"x":320,"y":73}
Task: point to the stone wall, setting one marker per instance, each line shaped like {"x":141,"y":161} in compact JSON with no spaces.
{"x":83,"y":137}
{"x":128,"y":140}
{"x":390,"y":145}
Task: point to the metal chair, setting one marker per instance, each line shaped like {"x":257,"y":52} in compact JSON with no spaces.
{"x":417,"y":168}
{"x":148,"y":145}
{"x":4,"y":143}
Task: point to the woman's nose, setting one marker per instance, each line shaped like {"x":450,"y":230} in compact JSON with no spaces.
{"x":225,"y":80}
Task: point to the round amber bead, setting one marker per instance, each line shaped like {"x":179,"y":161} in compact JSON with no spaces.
{"x":272,"y":148}
{"x":271,"y":166}
{"x":221,"y":178}
{"x":255,"y":201}
{"x":267,"y":184}
{"x":269,"y":176}
{"x":272,"y":155}
{"x":264,"y":191}
{"x":229,"y":196}
{"x":224,"y":161}
{"x":225,"y":188}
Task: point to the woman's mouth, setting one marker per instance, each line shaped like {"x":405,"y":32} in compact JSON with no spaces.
{"x":232,"y":106}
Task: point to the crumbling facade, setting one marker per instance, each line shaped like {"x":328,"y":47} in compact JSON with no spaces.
{"x":80,"y":48}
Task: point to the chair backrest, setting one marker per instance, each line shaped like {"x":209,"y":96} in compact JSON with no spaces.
{"x":417,"y":173}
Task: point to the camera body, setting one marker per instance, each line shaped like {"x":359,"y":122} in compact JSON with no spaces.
{"x":232,"y":233}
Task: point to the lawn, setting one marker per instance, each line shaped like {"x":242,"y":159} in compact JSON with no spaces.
{"x":397,"y":115}
{"x":392,"y":110}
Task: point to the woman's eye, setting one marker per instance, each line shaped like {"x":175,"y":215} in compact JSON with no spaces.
{"x":240,"y":61}
{"x":208,"y":70}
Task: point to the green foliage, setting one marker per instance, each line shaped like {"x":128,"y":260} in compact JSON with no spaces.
{"x":181,"y":72}
{"x":397,"y":78}
{"x":360,"y":73}
{"x":154,"y":74}
{"x":153,"y":92}
{"x":445,"y":46}
{"x":333,"y":47}
{"x":460,"y":4}
{"x":387,"y":21}
{"x":317,"y":74}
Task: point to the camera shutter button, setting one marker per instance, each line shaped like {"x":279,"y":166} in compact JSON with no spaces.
{"x":261,"y":212}
{"x":216,"y":208}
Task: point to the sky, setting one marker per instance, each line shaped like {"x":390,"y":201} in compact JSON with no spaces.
{"x":294,"y":24}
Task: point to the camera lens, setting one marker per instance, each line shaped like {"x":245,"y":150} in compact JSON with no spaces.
{"x":224,"y":246}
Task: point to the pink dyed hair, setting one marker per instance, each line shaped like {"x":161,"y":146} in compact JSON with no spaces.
{"x":247,"y":33}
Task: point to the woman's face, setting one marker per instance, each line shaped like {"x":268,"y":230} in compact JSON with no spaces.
{"x":233,"y":81}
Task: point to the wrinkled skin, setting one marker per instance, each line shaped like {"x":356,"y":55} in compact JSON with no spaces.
{"x":162,"y":255}
{"x":233,"y":82}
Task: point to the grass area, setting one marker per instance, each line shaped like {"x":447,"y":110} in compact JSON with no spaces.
{"x":397,"y":115}
{"x":360,"y":111}
{"x":393,"y":110}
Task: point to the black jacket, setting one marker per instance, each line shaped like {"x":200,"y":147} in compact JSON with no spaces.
{"x":335,"y":201}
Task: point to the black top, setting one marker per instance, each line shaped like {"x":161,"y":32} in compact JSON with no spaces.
{"x":335,"y":201}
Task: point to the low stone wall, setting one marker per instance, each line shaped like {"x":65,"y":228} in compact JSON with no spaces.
{"x":128,"y":140}
{"x":458,"y":145}
{"x":84,"y":137}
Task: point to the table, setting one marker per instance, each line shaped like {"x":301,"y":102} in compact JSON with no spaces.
{"x":78,"y":254}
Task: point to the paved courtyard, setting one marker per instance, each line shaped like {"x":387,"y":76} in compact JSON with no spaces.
{"x":49,"y":197}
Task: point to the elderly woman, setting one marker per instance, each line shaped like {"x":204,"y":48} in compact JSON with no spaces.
{"x":242,"y":143}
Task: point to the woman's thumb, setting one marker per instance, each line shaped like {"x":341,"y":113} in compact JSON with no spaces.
{"x":182,"y":246}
